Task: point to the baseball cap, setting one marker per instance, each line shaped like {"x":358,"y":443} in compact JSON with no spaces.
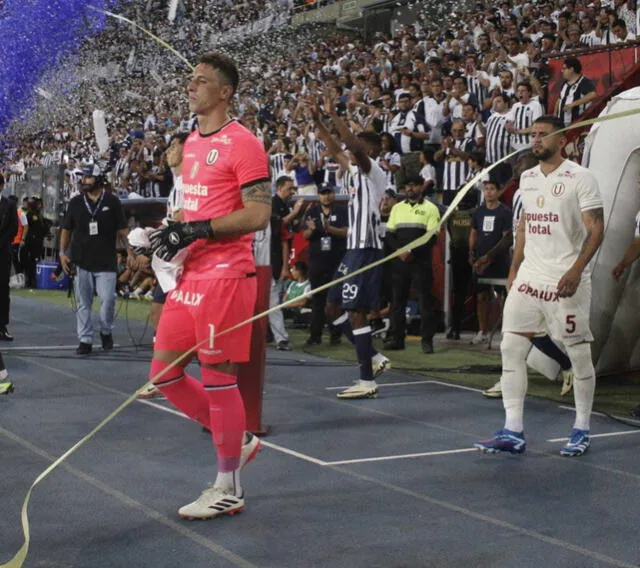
{"x":327,"y":188}
{"x":90,"y":170}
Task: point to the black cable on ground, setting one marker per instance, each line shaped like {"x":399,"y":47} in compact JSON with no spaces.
{"x":144,"y":331}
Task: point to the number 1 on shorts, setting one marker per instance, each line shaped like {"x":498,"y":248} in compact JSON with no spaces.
{"x":212,"y":330}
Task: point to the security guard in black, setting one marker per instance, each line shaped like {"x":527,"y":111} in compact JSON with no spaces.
{"x":325,"y":228}
{"x":94,"y":222}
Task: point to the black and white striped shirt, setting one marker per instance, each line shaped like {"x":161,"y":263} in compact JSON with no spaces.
{"x":456,"y":169}
{"x":569,"y":93}
{"x":523,"y":117}
{"x":330,"y":170}
{"x":638,"y":225}
{"x":316,"y":147}
{"x":590,"y":39}
{"x":278,"y":163}
{"x":393,"y":159}
{"x":365,"y":192}
{"x":477,"y":88}
{"x":516,"y":208}
{"x":498,"y":143}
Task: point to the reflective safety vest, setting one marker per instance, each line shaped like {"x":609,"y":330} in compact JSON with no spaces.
{"x":22,"y":223}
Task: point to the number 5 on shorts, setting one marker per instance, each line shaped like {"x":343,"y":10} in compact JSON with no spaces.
{"x":571,"y":323}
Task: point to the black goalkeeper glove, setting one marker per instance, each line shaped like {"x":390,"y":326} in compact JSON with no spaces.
{"x":167,"y":241}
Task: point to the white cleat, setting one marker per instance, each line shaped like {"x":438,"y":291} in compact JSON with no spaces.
{"x":249,"y":450}
{"x":567,"y":382}
{"x":362,"y":389}
{"x":494,"y":392}
{"x":480,"y":338}
{"x":213,"y":502}
{"x":380,"y":364}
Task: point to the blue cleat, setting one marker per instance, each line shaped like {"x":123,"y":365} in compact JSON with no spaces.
{"x":577,"y":445}
{"x":503,"y":441}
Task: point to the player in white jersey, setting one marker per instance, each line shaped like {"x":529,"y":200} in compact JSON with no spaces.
{"x":560,"y":230}
{"x":175,"y":203}
{"x":543,"y":342}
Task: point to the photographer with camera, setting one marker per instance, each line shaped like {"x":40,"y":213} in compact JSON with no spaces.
{"x":93,"y":224}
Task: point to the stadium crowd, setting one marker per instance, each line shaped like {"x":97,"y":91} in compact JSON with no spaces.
{"x":446,"y":100}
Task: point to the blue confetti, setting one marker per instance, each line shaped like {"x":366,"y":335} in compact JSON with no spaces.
{"x":37,"y":34}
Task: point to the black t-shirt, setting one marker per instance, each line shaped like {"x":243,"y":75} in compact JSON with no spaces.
{"x":490,"y":225}
{"x":279,"y":210}
{"x":326,"y":250}
{"x":95,"y":253}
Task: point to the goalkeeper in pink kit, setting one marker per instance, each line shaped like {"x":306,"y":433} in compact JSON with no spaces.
{"x":227,"y":197}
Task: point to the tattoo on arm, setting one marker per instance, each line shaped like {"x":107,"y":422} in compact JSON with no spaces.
{"x":257,"y":192}
{"x":594,"y":223}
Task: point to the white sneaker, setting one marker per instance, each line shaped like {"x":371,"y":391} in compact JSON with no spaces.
{"x":380,"y":364}
{"x":134,"y":295}
{"x":212,"y":502}
{"x":249,"y":450}
{"x":362,"y":389}
{"x":567,"y":382}
{"x":480,"y":338}
{"x":494,"y":392}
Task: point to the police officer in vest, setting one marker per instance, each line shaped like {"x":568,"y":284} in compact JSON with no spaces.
{"x":409,"y":220}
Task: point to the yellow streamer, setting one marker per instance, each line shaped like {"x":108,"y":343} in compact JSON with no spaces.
{"x":18,"y":560}
{"x":146,"y":31}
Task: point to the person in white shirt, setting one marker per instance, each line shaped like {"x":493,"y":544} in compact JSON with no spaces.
{"x":589,"y":37}
{"x":620,"y":32}
{"x":434,"y":110}
{"x":408,"y":127}
{"x":522,"y":116}
{"x":549,"y":283}
{"x":428,"y":171}
{"x":517,"y":59}
{"x":389,"y":159}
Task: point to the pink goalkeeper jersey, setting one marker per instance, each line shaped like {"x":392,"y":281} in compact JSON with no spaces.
{"x":214,"y":169}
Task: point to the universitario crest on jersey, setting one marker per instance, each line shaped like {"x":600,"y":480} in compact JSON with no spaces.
{"x":558,"y":189}
{"x":212,"y":157}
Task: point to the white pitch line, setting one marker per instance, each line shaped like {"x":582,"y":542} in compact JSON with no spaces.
{"x":402,"y":456}
{"x":450,"y":385}
{"x":572,"y":409}
{"x":293,"y":453}
{"x":384,"y":385}
{"x":271,"y":445}
{"x":607,"y":435}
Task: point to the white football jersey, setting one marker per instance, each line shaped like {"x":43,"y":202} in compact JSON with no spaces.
{"x":552,"y":207}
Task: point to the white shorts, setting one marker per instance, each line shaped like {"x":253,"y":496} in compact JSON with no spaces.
{"x":536,"y":308}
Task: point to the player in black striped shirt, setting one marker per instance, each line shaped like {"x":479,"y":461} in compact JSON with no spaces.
{"x":365,"y":183}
